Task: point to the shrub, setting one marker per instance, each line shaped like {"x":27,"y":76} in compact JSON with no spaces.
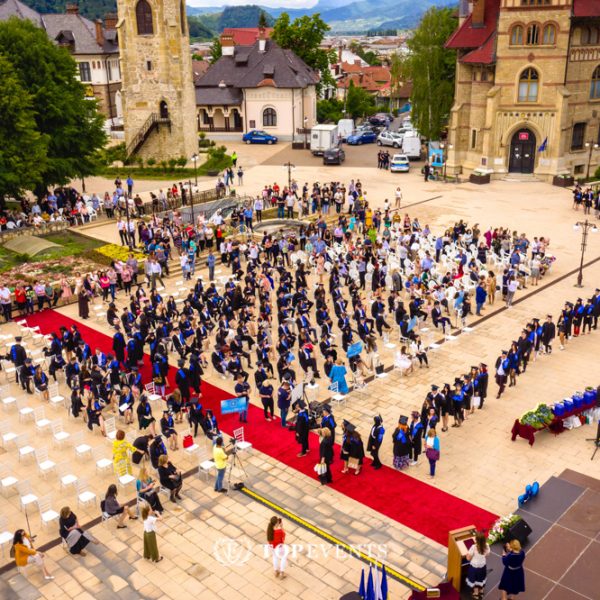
{"x":151,"y":162}
{"x":181,"y":161}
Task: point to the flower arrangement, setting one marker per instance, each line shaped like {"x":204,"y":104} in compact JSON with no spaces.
{"x":109,"y":252}
{"x":538,"y":418}
{"x":500,"y":529}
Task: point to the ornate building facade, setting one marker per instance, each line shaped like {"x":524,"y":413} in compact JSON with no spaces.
{"x":159,"y":106}
{"x":527,"y":95}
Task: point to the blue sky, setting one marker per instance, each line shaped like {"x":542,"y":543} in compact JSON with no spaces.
{"x":271,"y":3}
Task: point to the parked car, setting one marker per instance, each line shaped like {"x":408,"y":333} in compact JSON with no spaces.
{"x":381,"y":119}
{"x":259,"y":137}
{"x":389,"y":138}
{"x":361,"y":137}
{"x":334,"y":156}
{"x":399,"y":164}
{"x":369,"y":127}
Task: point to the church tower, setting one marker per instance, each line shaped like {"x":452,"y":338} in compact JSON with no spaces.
{"x":159,"y":104}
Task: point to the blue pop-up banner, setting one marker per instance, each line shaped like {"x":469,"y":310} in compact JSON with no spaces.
{"x":234,"y":405}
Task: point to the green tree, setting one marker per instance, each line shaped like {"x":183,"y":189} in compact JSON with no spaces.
{"x":359,"y":103}
{"x":199,"y":31}
{"x":23,"y":148}
{"x":304,"y":37}
{"x":263,"y":21}
{"x":70,"y":122}
{"x":216,"y":51}
{"x":432,"y":69}
{"x":330,"y":110}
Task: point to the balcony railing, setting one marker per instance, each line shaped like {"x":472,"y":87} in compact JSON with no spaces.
{"x":214,"y":129}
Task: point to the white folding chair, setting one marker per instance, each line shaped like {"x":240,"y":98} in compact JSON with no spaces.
{"x":7,"y":481}
{"x":337,"y":396}
{"x":81,"y":448}
{"x":9,"y":369}
{"x":42,"y":424}
{"x":205,"y":464}
{"x":25,"y":411}
{"x":66,"y":477}
{"x":84,"y":495}
{"x":59,"y":436}
{"x":102,"y":463}
{"x":110,"y":427}
{"x":8,"y":401}
{"x":25,"y":449}
{"x":190,"y":450}
{"x":124,"y":475}
{"x":47,"y":514}
{"x":241,"y":443}
{"x":6,"y":537}
{"x":26,"y":496}
{"x":7,"y":435}
{"x":55,"y":398}
{"x":45,"y":465}
{"x":152,"y":395}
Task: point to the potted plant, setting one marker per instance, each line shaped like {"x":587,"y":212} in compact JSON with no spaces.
{"x":564,"y":180}
{"x":479,"y":176}
{"x":499,"y":533}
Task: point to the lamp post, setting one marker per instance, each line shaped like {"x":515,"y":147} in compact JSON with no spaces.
{"x":585,"y":227}
{"x":195,"y":160}
{"x":289,"y":167}
{"x":305,"y":123}
{"x":445,"y":149}
{"x":591,"y":146}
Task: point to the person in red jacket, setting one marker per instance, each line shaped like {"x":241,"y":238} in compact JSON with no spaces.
{"x":276,"y":539}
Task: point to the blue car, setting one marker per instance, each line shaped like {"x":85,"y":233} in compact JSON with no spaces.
{"x":259,"y":137}
{"x":361,"y":137}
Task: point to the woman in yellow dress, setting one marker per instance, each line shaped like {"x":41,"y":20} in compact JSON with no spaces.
{"x":122,"y":450}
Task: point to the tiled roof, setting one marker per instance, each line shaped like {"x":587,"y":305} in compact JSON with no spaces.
{"x":469,"y":35}
{"x":245,"y":36}
{"x":485,"y":55}
{"x":216,"y":96}
{"x":82,"y":30}
{"x":14,"y":8}
{"x":248,"y":67}
{"x":586,"y":8}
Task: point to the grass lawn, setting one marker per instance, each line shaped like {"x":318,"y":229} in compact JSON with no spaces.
{"x":71,"y":244}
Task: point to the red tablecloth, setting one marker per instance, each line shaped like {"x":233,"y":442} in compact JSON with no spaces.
{"x":557,"y":426}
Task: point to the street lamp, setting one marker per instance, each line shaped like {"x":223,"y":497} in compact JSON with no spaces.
{"x":592,"y":146}
{"x":289,"y":167}
{"x":305,"y":124}
{"x":195,"y":160}
{"x":585,"y":227}
{"x":445,"y":149}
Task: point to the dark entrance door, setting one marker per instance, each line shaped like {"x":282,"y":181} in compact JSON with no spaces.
{"x":522,"y":152}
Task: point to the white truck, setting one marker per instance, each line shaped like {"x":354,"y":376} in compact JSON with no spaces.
{"x":345,"y":128}
{"x":323,"y":137}
{"x":411,"y":145}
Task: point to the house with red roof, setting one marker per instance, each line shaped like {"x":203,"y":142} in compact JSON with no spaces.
{"x":527,"y":96}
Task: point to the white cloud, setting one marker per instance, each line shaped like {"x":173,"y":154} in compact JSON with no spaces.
{"x":267,"y":3}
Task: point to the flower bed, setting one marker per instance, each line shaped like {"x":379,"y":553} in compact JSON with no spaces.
{"x":104,"y":255}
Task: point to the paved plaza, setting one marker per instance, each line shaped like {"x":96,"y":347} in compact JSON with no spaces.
{"x":213,"y":543}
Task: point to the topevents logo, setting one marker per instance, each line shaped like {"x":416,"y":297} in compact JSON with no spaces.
{"x":237,"y":552}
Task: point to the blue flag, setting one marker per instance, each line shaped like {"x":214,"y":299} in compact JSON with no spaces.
{"x":370,"y":586}
{"x":361,"y":587}
{"x":384,"y":585}
{"x":544,"y":145}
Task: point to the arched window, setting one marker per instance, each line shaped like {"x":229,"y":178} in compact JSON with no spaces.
{"x":269,"y":117}
{"x":528,"y":85}
{"x":595,"y":89}
{"x":549,"y":35}
{"x":533,"y":34}
{"x":182,"y":16}
{"x":594,"y":35}
{"x":163,"y":109}
{"x":516,"y":36}
{"x":585,"y":36}
{"x":143,"y":17}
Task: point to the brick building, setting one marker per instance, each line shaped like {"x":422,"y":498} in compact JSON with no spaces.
{"x":527,"y":87}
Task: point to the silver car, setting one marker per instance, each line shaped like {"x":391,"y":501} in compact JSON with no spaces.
{"x":389,"y":138}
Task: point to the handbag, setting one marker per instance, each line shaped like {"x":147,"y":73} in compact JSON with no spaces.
{"x":320,"y":469}
{"x":476,"y":401}
{"x":379,"y":369}
{"x":188,"y":441}
{"x":353,"y":463}
{"x":432,"y":454}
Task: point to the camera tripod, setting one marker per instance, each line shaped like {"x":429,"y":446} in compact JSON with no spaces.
{"x":236,"y":461}
{"x":596,"y":441}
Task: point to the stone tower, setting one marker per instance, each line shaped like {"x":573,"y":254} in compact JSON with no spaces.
{"x":159,"y":104}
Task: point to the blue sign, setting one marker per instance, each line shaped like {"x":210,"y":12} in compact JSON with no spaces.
{"x":354,"y":349}
{"x":436,"y":157}
{"x":234,"y":405}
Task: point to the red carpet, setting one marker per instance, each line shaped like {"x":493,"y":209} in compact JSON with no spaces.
{"x":417,"y":505}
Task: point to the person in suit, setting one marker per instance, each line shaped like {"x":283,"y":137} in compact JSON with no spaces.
{"x":375,"y":439}
{"x":325,"y":454}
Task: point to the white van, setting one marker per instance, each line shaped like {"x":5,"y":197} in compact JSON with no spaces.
{"x":323,"y":137}
{"x":411,"y":146}
{"x":345,"y":128}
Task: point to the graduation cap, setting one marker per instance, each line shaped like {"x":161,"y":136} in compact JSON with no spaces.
{"x":415,"y":414}
{"x":18,"y":339}
{"x":504,"y":351}
{"x":435,"y":388}
{"x":349,"y":427}
{"x":483,"y":366}
{"x":403,"y":420}
{"x":301,"y":404}
{"x":327,"y":408}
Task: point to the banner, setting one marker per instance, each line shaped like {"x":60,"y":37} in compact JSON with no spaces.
{"x":234,"y":405}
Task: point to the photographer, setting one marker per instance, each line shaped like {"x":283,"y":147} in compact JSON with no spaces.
{"x":221,"y":459}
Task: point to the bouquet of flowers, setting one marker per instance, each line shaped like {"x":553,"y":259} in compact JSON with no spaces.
{"x":538,"y":418}
{"x":499,"y":530}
